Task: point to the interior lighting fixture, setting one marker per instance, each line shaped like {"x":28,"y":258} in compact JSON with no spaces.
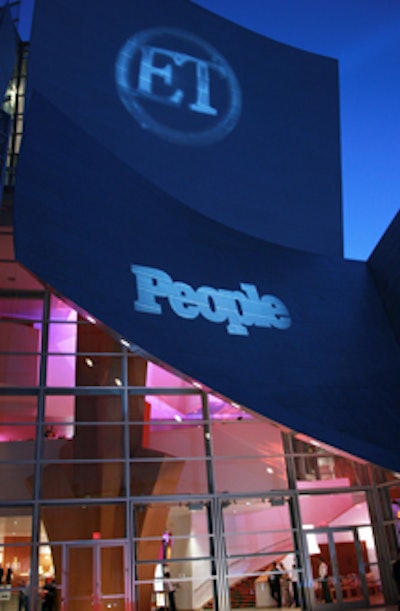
{"x":235,"y":405}
{"x":89,"y":362}
{"x":269,"y":470}
{"x":118,"y":381}
{"x":178,"y":418}
{"x":197,"y":385}
{"x":91,"y":320}
{"x":125,"y":343}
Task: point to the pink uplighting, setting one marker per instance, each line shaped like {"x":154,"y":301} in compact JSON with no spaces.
{"x":185,"y":407}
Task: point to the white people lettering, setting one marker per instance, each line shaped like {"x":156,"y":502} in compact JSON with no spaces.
{"x":239,"y":309}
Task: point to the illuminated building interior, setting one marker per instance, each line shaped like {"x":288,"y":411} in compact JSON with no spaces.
{"x":103,"y":451}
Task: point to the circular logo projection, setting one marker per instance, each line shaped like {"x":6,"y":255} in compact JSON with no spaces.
{"x":178,"y":86}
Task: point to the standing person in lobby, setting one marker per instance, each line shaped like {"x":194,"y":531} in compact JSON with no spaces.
{"x":23,"y":597}
{"x":170,"y":589}
{"x":275,"y":583}
{"x":294,"y":576}
{"x":49,"y":593}
{"x":323,"y":576}
{"x":286,"y":593}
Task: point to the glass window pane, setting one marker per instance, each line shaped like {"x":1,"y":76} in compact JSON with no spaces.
{"x":92,"y":338}
{"x":169,"y":438}
{"x":168,"y":476}
{"x":17,"y":442}
{"x":372,"y":571}
{"x":112,"y":573}
{"x":66,"y":409}
{"x":257,"y":526}
{"x":158,"y":377}
{"x":21,"y":309}
{"x":61,"y":370}
{"x":51,"y":570}
{"x":17,"y":481}
{"x":18,"y":369}
{"x":314,"y":461}
{"x":59,"y":416}
{"x":80,"y":590}
{"x":18,"y":409}
{"x":21,"y":336}
{"x":15,"y":544}
{"x":171,"y":532}
{"x":81,"y":480}
{"x":334,"y":509}
{"x":242,"y":437}
{"x":228,"y":411}
{"x":137,"y":370}
{"x":99,"y":370}
{"x":177,"y":407}
{"x":249,"y":474}
{"x":60,"y":311}
{"x":88,"y":441}
{"x":67,"y":370}
{"x":75,"y":522}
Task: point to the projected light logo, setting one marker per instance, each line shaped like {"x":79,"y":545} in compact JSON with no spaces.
{"x":178,"y":86}
{"x":237,"y":309}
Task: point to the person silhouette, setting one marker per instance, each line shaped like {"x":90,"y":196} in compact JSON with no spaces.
{"x":323,"y":576}
{"x":23,"y":597}
{"x":49,"y":593}
{"x":170,"y":589}
{"x":396,"y":576}
{"x":275,"y":583}
{"x":294,"y":576}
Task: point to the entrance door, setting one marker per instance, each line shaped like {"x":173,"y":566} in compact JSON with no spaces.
{"x":339,"y":565}
{"x":94,"y":577}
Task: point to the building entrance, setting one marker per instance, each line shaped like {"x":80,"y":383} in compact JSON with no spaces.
{"x":342,"y":570}
{"x":94,"y":577}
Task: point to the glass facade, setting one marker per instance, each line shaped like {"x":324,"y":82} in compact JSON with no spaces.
{"x":130,"y":486}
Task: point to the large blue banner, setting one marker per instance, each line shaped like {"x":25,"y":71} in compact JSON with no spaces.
{"x":299,"y":337}
{"x":237,"y":126}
